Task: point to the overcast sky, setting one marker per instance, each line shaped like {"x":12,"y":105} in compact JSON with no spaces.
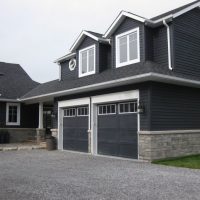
{"x":34,"y":33}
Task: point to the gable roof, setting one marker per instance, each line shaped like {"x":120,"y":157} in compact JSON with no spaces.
{"x":153,"y":22}
{"x":14,"y":81}
{"x":93,"y":35}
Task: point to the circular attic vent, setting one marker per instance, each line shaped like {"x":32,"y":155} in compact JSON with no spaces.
{"x":72,"y":64}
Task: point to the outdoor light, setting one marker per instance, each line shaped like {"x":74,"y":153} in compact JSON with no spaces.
{"x":53,"y":115}
{"x":141,"y":108}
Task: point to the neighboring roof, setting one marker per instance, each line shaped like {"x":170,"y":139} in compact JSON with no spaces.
{"x":65,"y":87}
{"x":93,"y":35}
{"x":14,"y":81}
{"x":171,"y":12}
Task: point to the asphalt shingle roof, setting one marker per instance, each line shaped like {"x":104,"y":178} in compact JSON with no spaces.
{"x":174,"y":11}
{"x":107,"y":75}
{"x":14,"y":81}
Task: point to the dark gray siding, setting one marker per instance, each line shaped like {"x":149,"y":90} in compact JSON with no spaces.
{"x":174,"y":107}
{"x":104,"y":57}
{"x":160,"y":48}
{"x":66,"y":74}
{"x":187,"y":43}
{"x":144,"y":98}
{"x":29,"y":116}
{"x":127,"y":25}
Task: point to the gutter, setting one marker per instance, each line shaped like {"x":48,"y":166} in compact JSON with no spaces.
{"x":10,"y":100}
{"x":119,"y":82}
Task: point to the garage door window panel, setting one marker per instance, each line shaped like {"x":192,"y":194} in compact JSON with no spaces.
{"x":82,"y":111}
{"x":107,"y":109}
{"x":128,"y":107}
{"x":70,"y":112}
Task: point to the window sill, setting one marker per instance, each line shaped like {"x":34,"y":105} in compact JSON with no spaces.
{"x":12,"y":124}
{"x":127,"y":63}
{"x":86,"y":74}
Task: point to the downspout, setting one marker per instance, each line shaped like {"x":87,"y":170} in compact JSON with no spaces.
{"x":59,"y":71}
{"x":169,"y":44}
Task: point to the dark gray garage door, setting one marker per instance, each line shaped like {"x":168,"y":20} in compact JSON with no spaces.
{"x":75,"y":129}
{"x":117,"y":130}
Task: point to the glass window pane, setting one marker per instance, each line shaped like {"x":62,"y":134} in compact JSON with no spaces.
{"x":133,"y":48}
{"x":126,"y":106}
{"x":123,"y":49}
{"x":113,"y":108}
{"x":108,"y":109}
{"x":84,"y":62}
{"x":132,"y":107}
{"x":91,"y":60}
{"x":104,"y":109}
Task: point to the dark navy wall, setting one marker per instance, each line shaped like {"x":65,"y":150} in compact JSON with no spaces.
{"x":187,"y":43}
{"x":174,"y":107}
{"x":127,"y":25}
{"x":29,"y":116}
{"x":66,"y":73}
{"x":144,"y":98}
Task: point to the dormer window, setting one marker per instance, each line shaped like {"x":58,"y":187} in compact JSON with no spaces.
{"x":87,"y":61}
{"x":128,"y":48}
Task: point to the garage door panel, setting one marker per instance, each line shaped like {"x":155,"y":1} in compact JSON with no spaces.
{"x":117,"y":134}
{"x":108,"y":148}
{"x":75,"y":133}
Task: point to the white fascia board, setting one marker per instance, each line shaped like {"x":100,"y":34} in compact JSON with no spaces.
{"x":68,"y":56}
{"x":128,"y":80}
{"x":80,"y":38}
{"x":119,"y":19}
{"x":186,"y":10}
{"x":9,"y":100}
{"x":78,"y":102}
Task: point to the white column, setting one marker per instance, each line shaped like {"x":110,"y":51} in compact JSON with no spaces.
{"x":40,"y":126}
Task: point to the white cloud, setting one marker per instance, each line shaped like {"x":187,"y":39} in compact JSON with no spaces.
{"x":36,"y":32}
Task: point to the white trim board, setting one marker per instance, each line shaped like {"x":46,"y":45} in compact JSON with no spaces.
{"x":17,"y":123}
{"x":82,"y":36}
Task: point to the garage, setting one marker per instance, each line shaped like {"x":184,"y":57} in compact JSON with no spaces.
{"x":117,"y":129}
{"x":75,"y":129}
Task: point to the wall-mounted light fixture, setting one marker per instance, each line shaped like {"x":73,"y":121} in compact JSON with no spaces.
{"x":141,"y":108}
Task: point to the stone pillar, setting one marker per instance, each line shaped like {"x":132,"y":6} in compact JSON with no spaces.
{"x":40,"y":135}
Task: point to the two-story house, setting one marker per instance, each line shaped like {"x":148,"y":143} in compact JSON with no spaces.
{"x":131,"y":92}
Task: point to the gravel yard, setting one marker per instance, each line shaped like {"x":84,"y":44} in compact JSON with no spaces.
{"x":39,"y":174}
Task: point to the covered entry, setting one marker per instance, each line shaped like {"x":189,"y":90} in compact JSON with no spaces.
{"x":75,"y":129}
{"x":117,"y":129}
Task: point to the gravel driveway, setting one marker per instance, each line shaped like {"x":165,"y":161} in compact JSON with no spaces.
{"x":39,"y":174}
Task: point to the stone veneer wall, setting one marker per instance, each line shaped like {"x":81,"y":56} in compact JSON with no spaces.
{"x":166,"y":144}
{"x":17,"y":135}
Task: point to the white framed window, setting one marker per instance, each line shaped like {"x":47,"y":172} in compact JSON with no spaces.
{"x":128,"y":107}
{"x":128,"y":47}
{"x":82,"y":111}
{"x":109,"y":109}
{"x":13,"y":114}
{"x":70,"y":112}
{"x":87,"y":61}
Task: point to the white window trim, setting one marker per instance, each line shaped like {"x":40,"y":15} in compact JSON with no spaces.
{"x":83,"y":115}
{"x":71,"y":115}
{"x":106,"y":109}
{"x":122,"y":113}
{"x":18,"y":114}
{"x":80,"y":62}
{"x":118,"y":64}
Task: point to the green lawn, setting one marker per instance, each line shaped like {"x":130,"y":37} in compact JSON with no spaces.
{"x":192,"y":162}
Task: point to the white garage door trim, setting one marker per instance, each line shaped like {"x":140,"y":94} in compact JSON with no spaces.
{"x":69,"y":103}
{"x":112,"y":97}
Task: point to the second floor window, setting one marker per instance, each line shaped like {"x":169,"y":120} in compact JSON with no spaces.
{"x":87,"y":61}
{"x":128,"y":48}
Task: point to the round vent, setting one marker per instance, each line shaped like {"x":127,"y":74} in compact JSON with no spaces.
{"x":72,"y":64}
